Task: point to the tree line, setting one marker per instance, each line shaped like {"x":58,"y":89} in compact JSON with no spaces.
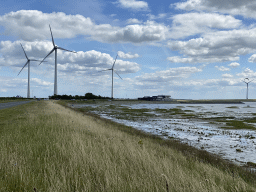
{"x":78,"y":97}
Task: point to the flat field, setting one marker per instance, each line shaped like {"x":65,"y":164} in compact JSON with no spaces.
{"x":47,"y":147}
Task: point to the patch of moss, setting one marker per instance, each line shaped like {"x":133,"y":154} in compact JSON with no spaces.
{"x":235,"y":124}
{"x":251,"y":164}
{"x":251,"y":120}
{"x":233,"y":107}
{"x":188,"y":115}
{"x":239,"y":150}
{"x":188,"y":111}
{"x":176,"y":111}
{"x":161,"y":110}
{"x":218,"y":119}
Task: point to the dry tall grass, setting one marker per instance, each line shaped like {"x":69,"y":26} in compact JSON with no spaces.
{"x":51,"y":148}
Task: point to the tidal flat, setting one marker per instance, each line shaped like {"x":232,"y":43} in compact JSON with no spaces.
{"x":228,"y":130}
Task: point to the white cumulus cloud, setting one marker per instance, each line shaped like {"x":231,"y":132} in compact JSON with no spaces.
{"x":168,"y":75}
{"x":247,"y":73}
{"x":252,"y":59}
{"x":133,"y":4}
{"x":41,"y":82}
{"x":31,"y":25}
{"x":219,"y":46}
{"x":222,"y":68}
{"x":226,"y":75}
{"x":234,"y":65}
{"x":245,"y":8}
{"x":188,"y":24}
{"x":127,"y":55}
{"x":133,"y":21}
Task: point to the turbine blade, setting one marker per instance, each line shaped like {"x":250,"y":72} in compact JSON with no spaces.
{"x":23,"y":67}
{"x":105,"y":70}
{"x":114,"y":62}
{"x":24,"y":51}
{"x":46,"y":56}
{"x":66,"y":50}
{"x":117,"y":74}
{"x":36,"y":60}
{"x":52,"y":36}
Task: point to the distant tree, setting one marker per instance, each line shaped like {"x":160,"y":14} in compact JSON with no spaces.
{"x":86,"y":96}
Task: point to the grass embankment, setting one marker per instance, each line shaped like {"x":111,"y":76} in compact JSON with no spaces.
{"x":51,"y":148}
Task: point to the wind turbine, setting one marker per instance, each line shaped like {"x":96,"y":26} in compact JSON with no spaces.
{"x":27,"y":63}
{"x":55,"y":47}
{"x":112,"y":69}
{"x":246,"y":80}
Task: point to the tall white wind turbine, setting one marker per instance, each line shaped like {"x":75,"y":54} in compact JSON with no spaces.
{"x":112,"y":69}
{"x":27,"y":63}
{"x":247,"y":81}
{"x":55,"y":47}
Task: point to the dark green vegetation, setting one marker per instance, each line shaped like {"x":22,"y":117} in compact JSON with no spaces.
{"x":77,"y":97}
{"x":232,"y":123}
{"x":10,"y":99}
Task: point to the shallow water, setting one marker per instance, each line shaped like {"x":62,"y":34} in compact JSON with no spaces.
{"x":236,"y":145}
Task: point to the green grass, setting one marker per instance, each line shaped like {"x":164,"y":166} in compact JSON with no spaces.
{"x":236,"y":124}
{"x":189,"y":115}
{"x":233,"y":107}
{"x":251,"y":164}
{"x":51,"y":148}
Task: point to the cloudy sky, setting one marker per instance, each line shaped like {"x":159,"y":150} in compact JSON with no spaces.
{"x":189,"y":49}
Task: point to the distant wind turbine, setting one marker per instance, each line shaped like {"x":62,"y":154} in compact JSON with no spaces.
{"x":112,"y":69}
{"x":27,"y":63}
{"x":55,"y":47}
{"x":246,"y":80}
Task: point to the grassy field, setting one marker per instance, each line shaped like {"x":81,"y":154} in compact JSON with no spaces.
{"x":47,"y":147}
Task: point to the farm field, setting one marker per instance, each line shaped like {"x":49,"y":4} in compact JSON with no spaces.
{"x":47,"y":147}
{"x":226,"y":129}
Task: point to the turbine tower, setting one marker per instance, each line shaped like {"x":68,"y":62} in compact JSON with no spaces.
{"x":55,"y":47}
{"x":112,"y":69}
{"x":246,"y":80}
{"x":27,"y":63}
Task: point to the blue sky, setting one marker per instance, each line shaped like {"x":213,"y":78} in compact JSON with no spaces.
{"x":190,"y":49}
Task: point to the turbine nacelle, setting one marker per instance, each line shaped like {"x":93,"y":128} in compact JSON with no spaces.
{"x":28,"y":60}
{"x":246,"y":80}
{"x":55,"y":47}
